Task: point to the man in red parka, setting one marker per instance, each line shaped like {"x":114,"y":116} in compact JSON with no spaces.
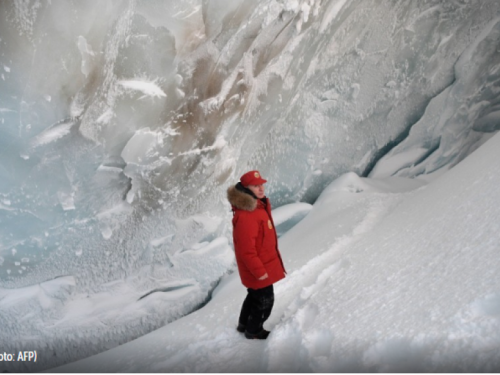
{"x":256,"y":249}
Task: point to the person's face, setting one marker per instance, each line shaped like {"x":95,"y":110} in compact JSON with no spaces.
{"x":258,"y":190}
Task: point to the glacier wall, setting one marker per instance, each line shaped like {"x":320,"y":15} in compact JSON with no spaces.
{"x":123,"y":122}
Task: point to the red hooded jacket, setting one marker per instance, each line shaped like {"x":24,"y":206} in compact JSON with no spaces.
{"x":255,"y":240}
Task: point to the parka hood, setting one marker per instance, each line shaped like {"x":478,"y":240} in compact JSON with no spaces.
{"x":240,"y":199}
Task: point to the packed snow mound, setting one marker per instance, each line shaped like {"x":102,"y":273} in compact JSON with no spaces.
{"x":410,"y":283}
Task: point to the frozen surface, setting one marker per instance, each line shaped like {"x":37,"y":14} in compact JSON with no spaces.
{"x":122,"y":124}
{"x":148,"y":89}
{"x":444,"y":135}
{"x":402,"y":278}
{"x":66,"y":324}
{"x":285,"y":217}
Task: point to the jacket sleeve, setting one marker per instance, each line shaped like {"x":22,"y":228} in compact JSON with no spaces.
{"x":246,"y":232}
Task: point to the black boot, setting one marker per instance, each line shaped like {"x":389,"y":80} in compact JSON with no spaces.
{"x":262,"y":335}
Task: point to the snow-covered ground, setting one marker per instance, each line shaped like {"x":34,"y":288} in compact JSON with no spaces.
{"x":383,"y":275}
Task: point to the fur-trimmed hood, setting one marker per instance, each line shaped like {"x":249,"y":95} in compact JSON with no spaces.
{"x":240,"y":199}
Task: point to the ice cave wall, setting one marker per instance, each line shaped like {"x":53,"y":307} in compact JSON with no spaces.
{"x":123,"y":122}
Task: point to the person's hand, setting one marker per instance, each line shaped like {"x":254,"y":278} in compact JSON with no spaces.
{"x":264,"y":277}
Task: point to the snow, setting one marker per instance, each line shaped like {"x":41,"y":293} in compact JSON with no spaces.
{"x":143,"y":143}
{"x":332,"y":12}
{"x":110,"y":219}
{"x":135,"y":305}
{"x":148,"y":88}
{"x":53,"y":133}
{"x":87,"y":54}
{"x":124,"y":124}
{"x":408,"y":284}
{"x":105,"y":117}
{"x":391,"y":165}
{"x":285,"y":217}
{"x":66,"y":200}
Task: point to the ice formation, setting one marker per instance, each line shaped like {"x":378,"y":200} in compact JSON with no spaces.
{"x":387,"y":275}
{"x":123,"y":123}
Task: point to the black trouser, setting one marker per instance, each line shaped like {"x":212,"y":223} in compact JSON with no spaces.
{"x":257,"y":308}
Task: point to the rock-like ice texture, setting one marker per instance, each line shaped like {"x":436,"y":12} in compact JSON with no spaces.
{"x":87,"y":55}
{"x":459,"y":119}
{"x":387,"y":275}
{"x":171,"y":101}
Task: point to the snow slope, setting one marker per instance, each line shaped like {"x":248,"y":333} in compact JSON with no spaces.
{"x":384,"y":275}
